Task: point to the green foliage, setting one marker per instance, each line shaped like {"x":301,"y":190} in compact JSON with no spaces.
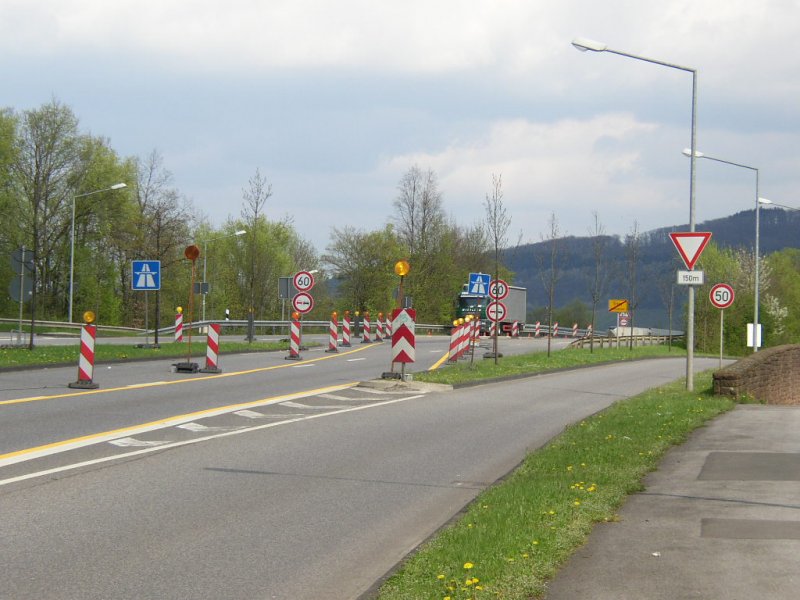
{"x":364,"y":265}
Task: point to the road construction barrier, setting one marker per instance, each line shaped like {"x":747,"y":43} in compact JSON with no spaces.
{"x":379,"y":328}
{"x":515,"y":329}
{"x":86,"y":359}
{"x":294,"y":338}
{"x":346,"y":329}
{"x":179,"y":327}
{"x":574,"y":330}
{"x":492,"y":328}
{"x":555,"y":330}
{"x":367,"y":332}
{"x":333,"y":333}
{"x":455,"y":337}
{"x":463,"y":333}
{"x":537,"y":330}
{"x":212,"y":350}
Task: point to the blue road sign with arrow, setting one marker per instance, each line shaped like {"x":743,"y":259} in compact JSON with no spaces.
{"x":479,"y":284}
{"x":146,"y":275}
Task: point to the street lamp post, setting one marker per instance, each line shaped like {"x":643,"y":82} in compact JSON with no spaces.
{"x":205,"y":256}
{"x":759,"y":202}
{"x":116,"y":186}
{"x":590,"y":45}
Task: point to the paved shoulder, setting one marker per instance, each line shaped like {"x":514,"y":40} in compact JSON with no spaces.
{"x":719,"y":519}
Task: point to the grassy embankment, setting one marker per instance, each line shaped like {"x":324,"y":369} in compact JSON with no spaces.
{"x":514,"y":536}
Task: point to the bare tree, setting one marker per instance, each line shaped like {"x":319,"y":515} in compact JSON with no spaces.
{"x":599,"y":277}
{"x":164,"y":230}
{"x":549,"y":269}
{"x":497,"y":224}
{"x":255,"y":199}
{"x":420,"y":215}
{"x":632,"y":244}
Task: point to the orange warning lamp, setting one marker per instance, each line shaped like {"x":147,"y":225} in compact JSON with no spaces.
{"x":402,"y":268}
{"x":88,"y":317}
{"x":179,"y":309}
{"x":295,"y":315}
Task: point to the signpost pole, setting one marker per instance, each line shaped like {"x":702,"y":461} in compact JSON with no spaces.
{"x":721,"y":337}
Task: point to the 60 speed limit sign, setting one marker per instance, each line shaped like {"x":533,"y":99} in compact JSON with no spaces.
{"x":721,"y":295}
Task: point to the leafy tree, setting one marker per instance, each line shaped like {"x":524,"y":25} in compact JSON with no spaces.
{"x":364,"y":264}
{"x":784,"y":296}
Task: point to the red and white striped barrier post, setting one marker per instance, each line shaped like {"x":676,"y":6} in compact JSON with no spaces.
{"x":466,"y":334}
{"x":294,"y":338}
{"x":86,"y":358}
{"x":515,"y":329}
{"x":387,"y":326}
{"x":537,"y":330}
{"x":404,"y":339}
{"x":367,"y":333}
{"x":212,"y":350}
{"x":333,"y":333}
{"x":492,"y":328}
{"x":346,"y":329}
{"x":574,"y":330}
{"x":379,"y":335}
{"x":179,"y":325}
{"x":454,"y":339}
{"x":554,"y":333}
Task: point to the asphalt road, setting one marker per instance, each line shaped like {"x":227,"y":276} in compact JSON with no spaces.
{"x":275,"y":481}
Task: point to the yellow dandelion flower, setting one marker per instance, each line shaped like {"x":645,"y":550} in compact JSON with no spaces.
{"x":535,"y":542}
{"x":468,"y":565}
{"x":440,"y":577}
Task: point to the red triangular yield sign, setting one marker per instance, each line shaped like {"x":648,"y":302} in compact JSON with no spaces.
{"x":690,"y":245}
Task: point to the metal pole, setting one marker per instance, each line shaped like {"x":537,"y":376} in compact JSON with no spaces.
{"x":756,"y":290}
{"x":71,"y":258}
{"x":21,"y":295}
{"x":690,"y":307}
{"x":584,"y":45}
{"x":205,"y":252}
{"x":758,"y":229}
{"x":721,"y":337}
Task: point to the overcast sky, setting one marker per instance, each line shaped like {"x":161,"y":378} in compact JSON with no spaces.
{"x":334,"y":101}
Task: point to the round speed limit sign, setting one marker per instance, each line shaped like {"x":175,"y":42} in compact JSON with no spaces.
{"x":303,"y":281}
{"x":721,"y":295}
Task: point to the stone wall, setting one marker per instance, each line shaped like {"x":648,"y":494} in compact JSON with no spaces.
{"x":769,"y":375}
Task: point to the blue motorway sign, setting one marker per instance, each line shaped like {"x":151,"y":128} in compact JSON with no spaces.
{"x":479,"y":284}
{"x":146,"y":275}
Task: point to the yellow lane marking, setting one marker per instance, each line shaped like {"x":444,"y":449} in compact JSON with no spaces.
{"x":440,"y":362}
{"x":178,"y":381}
{"x":94,"y":438}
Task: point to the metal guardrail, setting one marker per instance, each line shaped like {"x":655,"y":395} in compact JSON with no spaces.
{"x":625,"y":340}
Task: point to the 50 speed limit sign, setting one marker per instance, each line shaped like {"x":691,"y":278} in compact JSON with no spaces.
{"x":721,"y":295}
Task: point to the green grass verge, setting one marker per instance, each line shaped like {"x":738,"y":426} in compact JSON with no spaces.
{"x":482,"y":369}
{"x":44,"y":355}
{"x":514,"y":536}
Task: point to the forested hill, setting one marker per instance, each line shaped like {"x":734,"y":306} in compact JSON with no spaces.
{"x":657,"y":263}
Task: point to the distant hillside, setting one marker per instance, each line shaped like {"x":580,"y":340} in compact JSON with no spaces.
{"x":658,"y":262}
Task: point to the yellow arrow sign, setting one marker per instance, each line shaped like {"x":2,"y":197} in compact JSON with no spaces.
{"x":618,"y":306}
